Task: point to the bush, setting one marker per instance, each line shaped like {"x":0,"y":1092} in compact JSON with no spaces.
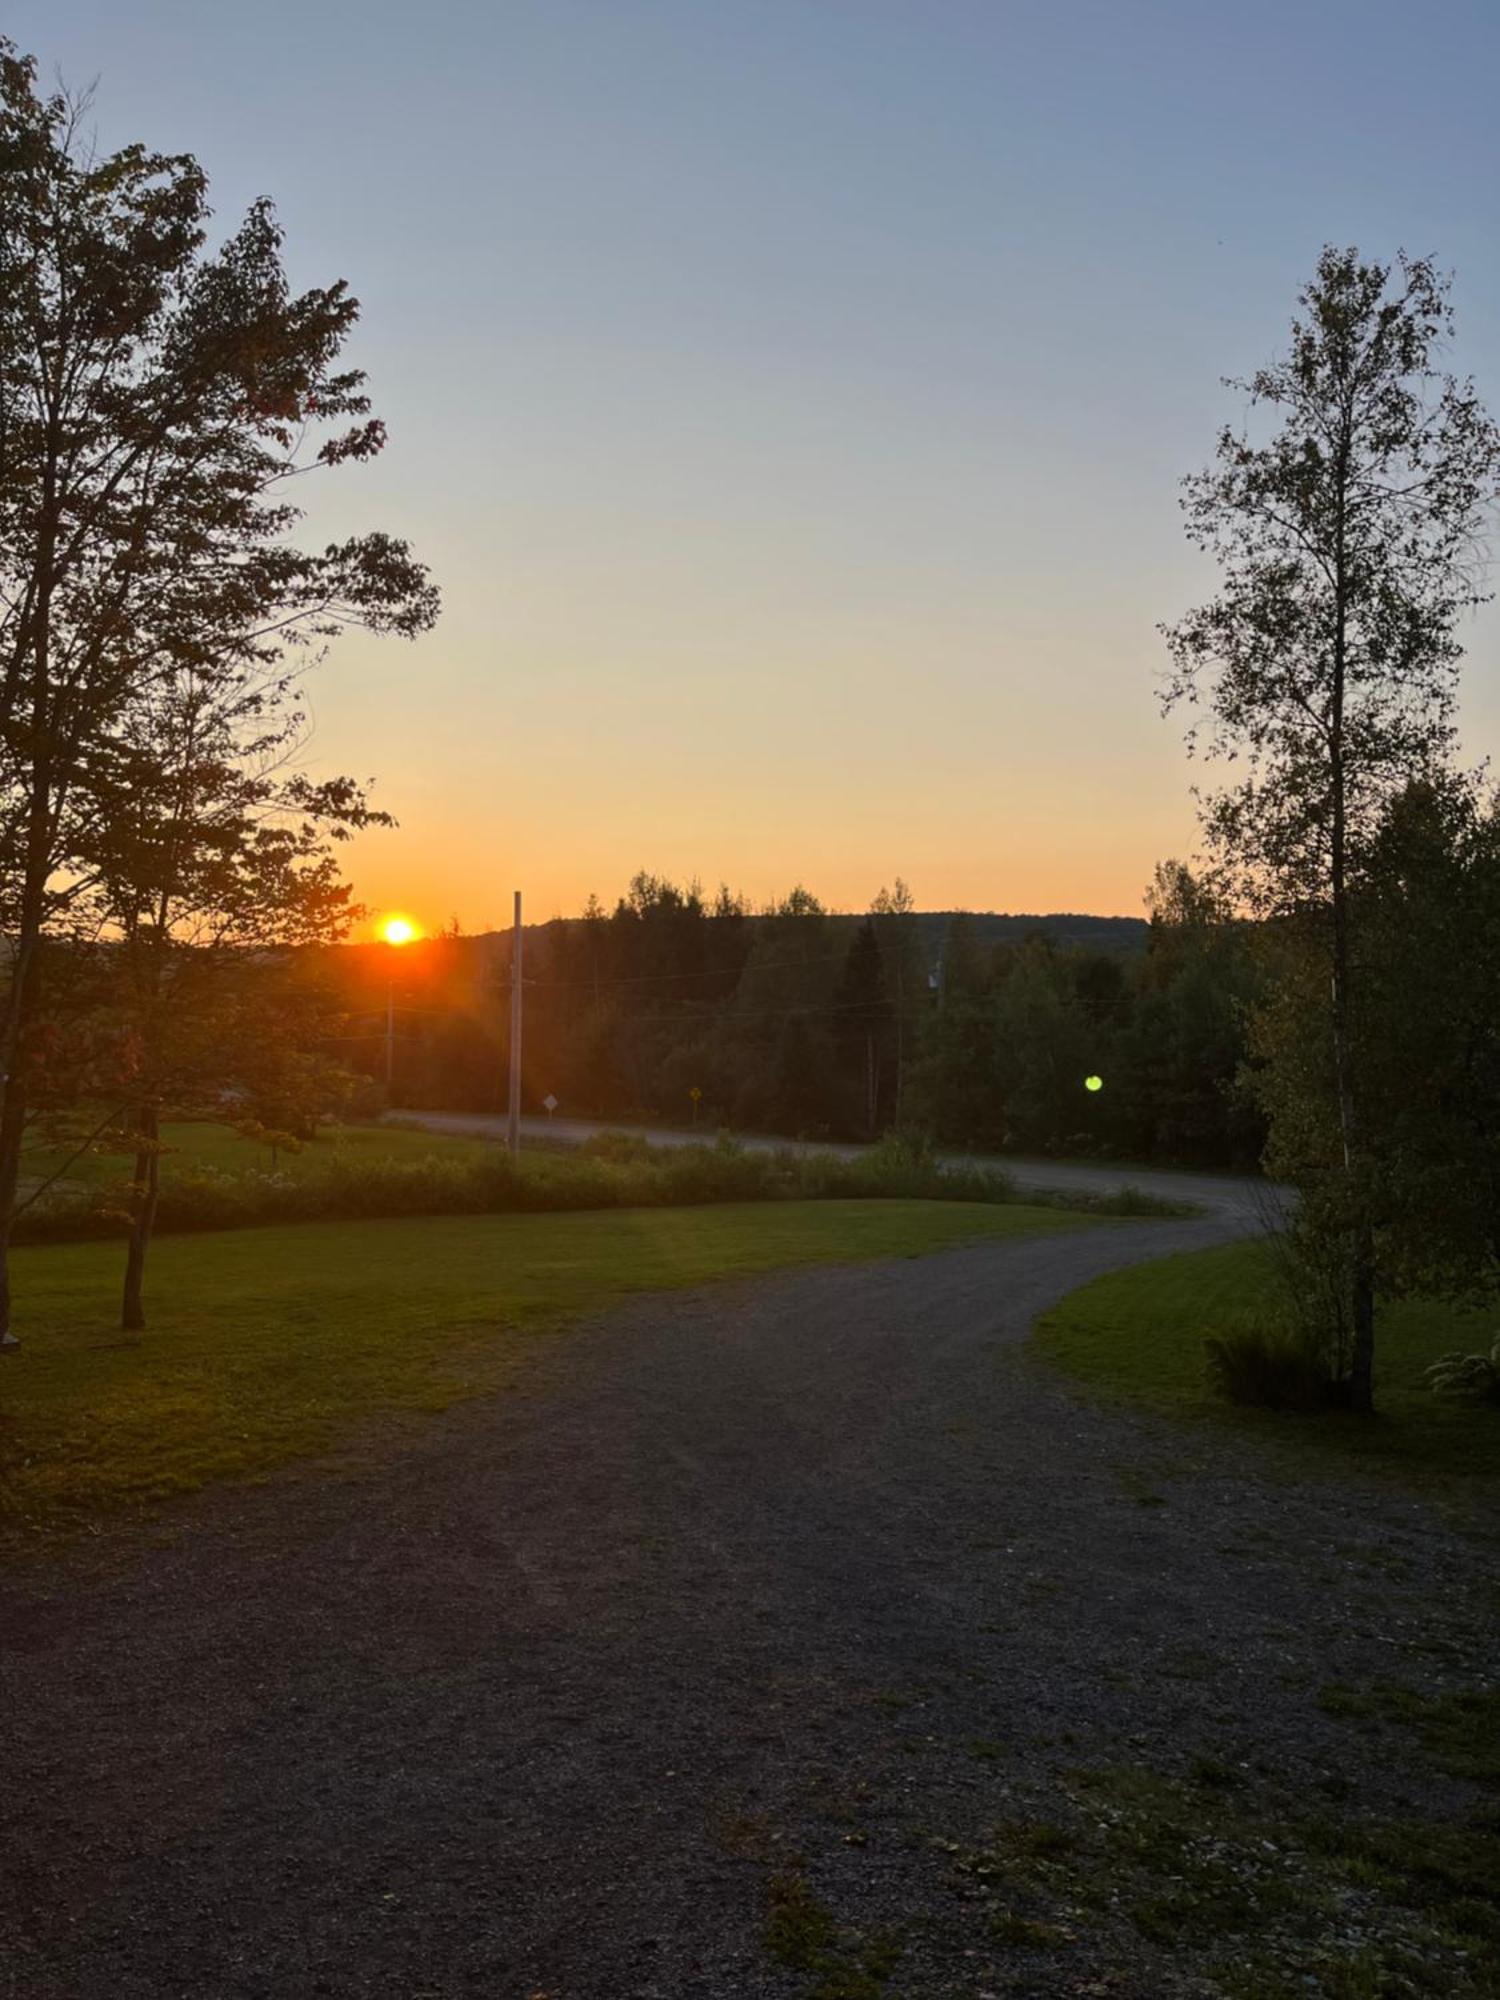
{"x":716,"y":1173}
{"x":1267,"y":1368}
{"x":619,"y":1147}
{"x":1131,"y":1201}
{"x":611,"y":1170}
{"x":903,"y":1164}
{"x":1473,"y":1376}
{"x":903,"y":1146}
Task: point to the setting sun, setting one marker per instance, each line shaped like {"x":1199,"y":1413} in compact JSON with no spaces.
{"x":398,"y":930}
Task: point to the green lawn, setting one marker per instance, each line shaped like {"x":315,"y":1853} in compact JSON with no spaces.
{"x":1138,"y":1334}
{"x":268,"y":1344}
{"x":196,"y":1143}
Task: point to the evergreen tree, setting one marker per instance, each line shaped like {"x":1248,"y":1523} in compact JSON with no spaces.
{"x":864,"y":1017}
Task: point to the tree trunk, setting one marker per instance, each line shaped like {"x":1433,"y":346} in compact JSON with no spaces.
{"x":1362,"y":1246}
{"x":142,"y":1218}
{"x":1362,"y":1235}
{"x":19,"y":1012}
{"x":25,"y":972}
{"x":1362,"y":1289}
{"x":12,"y":1126}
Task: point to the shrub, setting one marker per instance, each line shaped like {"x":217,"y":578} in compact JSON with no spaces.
{"x":619,"y":1147}
{"x":903,"y":1146}
{"x":611,"y":1170}
{"x":902,"y":1164}
{"x":1268,"y":1368}
{"x":1474,"y":1376}
{"x":1130,"y":1201}
{"x":716,"y":1173}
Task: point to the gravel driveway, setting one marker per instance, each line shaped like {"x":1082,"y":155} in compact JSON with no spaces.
{"x":701,"y":1665}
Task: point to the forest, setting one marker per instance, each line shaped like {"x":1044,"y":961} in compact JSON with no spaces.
{"x":978,"y":1030}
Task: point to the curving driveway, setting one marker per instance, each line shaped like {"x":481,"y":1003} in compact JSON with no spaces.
{"x":685,"y":1670}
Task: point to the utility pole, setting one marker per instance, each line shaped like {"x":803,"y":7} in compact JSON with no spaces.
{"x":513,"y":1127}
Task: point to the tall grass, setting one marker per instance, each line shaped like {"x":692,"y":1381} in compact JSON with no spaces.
{"x":614,"y":1170}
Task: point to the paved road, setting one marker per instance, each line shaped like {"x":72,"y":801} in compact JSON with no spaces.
{"x":784,"y":1590}
{"x":1246,"y":1200}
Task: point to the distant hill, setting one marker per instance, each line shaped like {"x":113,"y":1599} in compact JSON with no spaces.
{"x":1068,"y":929}
{"x":1064,"y":927}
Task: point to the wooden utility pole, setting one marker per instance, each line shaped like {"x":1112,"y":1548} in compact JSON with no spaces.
{"x":513,"y":1126}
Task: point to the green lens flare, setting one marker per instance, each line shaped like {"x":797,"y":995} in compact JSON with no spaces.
{"x":1093,"y":1083}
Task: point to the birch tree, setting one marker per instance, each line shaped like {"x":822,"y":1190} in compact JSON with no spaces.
{"x":1346,"y":519}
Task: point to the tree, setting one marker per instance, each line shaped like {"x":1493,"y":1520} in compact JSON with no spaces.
{"x":1347,"y":538}
{"x":1427,"y":1044}
{"x":898,"y":928}
{"x":1182,"y":1054}
{"x":784,"y":1054}
{"x":214,"y":861}
{"x":863,"y":1014}
{"x":1044,"y":1047}
{"x":1431,"y":940}
{"x":955,"y":1084}
{"x":155,"y":401}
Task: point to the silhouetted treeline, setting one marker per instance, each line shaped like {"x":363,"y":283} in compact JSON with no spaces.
{"x":685,"y":1008}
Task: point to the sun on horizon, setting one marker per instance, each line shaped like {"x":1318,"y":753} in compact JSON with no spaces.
{"x":396,"y":929}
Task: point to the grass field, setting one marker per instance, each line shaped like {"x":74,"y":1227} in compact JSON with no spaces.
{"x":1138,"y":1334}
{"x":269,"y":1344}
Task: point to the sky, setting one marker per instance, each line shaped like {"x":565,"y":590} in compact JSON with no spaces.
{"x":790,"y":398}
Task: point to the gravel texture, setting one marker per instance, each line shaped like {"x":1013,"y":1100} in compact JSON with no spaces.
{"x":783,"y":1582}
